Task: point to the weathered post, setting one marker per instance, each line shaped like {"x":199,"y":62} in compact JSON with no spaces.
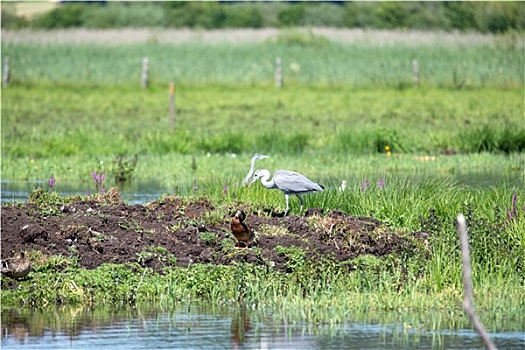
{"x":172,"y":106}
{"x":5,"y":77}
{"x":278,"y":73}
{"x":144,"y":78}
{"x":468,"y":303}
{"x":415,"y":68}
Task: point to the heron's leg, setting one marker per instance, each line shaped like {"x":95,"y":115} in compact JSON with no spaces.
{"x":300,"y":200}
{"x":287,"y":197}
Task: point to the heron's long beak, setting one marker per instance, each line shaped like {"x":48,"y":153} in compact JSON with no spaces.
{"x":261,"y":156}
{"x":251,"y":182}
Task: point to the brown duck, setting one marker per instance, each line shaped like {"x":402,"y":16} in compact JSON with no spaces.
{"x":17,"y":266}
{"x":239,"y":229}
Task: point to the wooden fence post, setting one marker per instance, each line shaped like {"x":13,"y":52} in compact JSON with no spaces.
{"x":172,"y":106}
{"x":415,"y":68}
{"x":5,"y":77}
{"x":144,"y":78}
{"x":278,"y":73}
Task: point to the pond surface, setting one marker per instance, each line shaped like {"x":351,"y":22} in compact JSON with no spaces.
{"x":135,"y":193}
{"x":233,"y":327}
{"x":140,"y":192}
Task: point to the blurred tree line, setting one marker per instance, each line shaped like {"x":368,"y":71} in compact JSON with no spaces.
{"x":486,"y":17}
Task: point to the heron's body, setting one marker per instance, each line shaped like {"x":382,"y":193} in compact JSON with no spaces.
{"x":252,"y":167}
{"x":289,"y":182}
{"x":240,"y":230}
{"x":16,"y":267}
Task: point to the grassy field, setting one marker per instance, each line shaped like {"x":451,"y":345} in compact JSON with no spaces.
{"x":346,"y":112}
{"x":307,"y":60}
{"x":337,"y":132}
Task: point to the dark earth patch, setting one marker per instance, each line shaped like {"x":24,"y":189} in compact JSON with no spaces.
{"x":178,"y":232}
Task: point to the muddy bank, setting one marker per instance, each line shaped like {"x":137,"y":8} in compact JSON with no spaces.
{"x":178,"y":232}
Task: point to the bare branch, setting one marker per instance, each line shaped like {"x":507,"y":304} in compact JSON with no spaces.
{"x":468,"y":304}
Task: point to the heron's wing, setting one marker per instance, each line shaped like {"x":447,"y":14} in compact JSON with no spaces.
{"x":291,"y":182}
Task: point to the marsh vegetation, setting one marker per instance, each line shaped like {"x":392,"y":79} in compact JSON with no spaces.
{"x":346,"y":112}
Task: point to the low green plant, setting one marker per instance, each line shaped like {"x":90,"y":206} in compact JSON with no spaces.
{"x":122,"y":168}
{"x":207,"y":236}
{"x":49,"y":202}
{"x":295,"y":256}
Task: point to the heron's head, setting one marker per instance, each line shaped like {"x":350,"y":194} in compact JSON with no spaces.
{"x":258,"y":174}
{"x":259,"y":156}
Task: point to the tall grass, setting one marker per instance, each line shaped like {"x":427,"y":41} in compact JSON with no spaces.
{"x":313,"y":62}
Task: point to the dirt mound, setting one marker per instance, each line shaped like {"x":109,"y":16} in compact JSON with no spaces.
{"x":174,"y":231}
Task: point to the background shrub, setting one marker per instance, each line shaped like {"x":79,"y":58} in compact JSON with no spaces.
{"x":117,"y":15}
{"x":10,"y":20}
{"x":493,"y":17}
{"x":323,"y":15}
{"x":67,"y":16}
{"x":291,"y":15}
{"x":205,"y":15}
{"x":243,"y":16}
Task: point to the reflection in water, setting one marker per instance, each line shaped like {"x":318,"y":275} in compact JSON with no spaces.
{"x":239,"y":326}
{"x":234,"y":327}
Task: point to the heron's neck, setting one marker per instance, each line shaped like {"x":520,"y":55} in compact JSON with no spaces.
{"x":265,"y":180}
{"x":252,"y":167}
{"x":250,"y":173}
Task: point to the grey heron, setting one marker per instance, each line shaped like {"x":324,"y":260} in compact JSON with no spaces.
{"x":289,"y":182}
{"x":252,"y":167}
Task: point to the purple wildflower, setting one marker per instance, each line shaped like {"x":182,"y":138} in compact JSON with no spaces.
{"x":364,"y":185}
{"x":225,"y":190}
{"x":380,"y":183}
{"x":88,"y":193}
{"x":102,"y":190}
{"x":99,"y":178}
{"x":51,"y":182}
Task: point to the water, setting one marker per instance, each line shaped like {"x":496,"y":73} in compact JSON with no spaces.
{"x":205,"y":327}
{"x":147,"y":191}
{"x":134,"y":193}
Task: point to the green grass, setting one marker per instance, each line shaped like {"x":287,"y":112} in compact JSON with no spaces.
{"x":312,"y":62}
{"x":62,"y":126}
{"x":310,"y":293}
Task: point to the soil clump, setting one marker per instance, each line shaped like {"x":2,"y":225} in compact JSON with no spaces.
{"x":178,"y":232}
